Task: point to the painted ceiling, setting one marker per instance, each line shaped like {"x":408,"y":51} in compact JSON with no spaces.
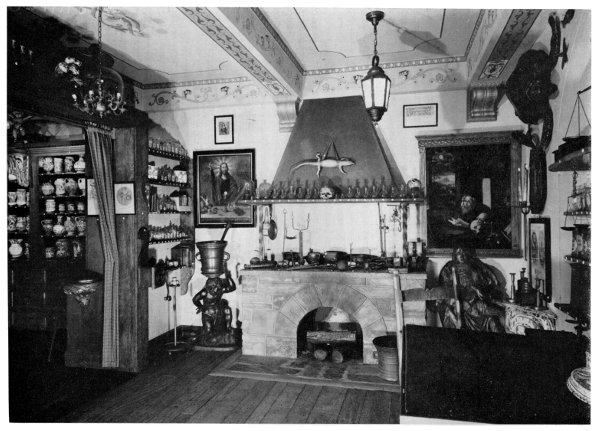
{"x":280,"y":48}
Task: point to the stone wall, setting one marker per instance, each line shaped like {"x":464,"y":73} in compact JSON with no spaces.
{"x":274,"y":302}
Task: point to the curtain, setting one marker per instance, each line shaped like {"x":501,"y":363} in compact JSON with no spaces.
{"x":101,"y":151}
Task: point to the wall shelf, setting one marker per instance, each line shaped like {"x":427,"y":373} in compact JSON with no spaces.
{"x":162,"y":241}
{"x":168,"y":183}
{"x":167,"y":154}
{"x":577,"y":260}
{"x":62,"y":175}
{"x":417,"y":201}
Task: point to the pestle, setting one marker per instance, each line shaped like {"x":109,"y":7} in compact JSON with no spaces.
{"x":227,"y":226}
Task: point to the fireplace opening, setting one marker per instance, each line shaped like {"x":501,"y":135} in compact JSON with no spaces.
{"x":329,"y":333}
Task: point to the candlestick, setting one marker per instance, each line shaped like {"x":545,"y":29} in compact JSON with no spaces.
{"x":526,"y":185}
{"x":519,"y":185}
{"x":512,"y":288}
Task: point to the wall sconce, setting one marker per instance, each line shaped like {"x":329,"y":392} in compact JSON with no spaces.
{"x":376,"y":84}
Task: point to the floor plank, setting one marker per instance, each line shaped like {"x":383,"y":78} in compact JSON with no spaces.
{"x":220,"y":407}
{"x":282,"y":404}
{"x":303,"y":405}
{"x":249,"y":404}
{"x":219,"y":396}
{"x":352,"y":407}
{"x":265,"y":405}
{"x":327,"y":406}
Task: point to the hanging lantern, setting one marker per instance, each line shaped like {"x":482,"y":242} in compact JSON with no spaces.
{"x":376,"y":84}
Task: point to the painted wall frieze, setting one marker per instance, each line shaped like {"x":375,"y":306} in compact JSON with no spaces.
{"x":178,"y":98}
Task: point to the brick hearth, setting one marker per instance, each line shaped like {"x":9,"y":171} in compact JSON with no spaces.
{"x":274,"y":302}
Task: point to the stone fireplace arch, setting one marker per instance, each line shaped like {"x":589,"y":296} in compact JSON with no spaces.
{"x":274,"y":302}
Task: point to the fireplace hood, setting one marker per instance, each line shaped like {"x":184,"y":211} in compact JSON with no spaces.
{"x":336,"y":129}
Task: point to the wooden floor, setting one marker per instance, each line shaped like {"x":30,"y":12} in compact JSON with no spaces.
{"x":180,"y":390}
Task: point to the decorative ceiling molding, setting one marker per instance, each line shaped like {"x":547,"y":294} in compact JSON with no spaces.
{"x":515,"y":30}
{"x":214,"y":29}
{"x":278,"y":38}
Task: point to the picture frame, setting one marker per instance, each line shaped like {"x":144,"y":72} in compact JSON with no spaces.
{"x":124,"y":198}
{"x":420,"y":115}
{"x":224,"y":129}
{"x":221,"y":180}
{"x":483,"y":165}
{"x":92,"y":197}
{"x":540,"y":254}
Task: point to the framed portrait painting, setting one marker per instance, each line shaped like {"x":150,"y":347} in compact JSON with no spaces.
{"x":539,"y":254}
{"x":221,"y":180}
{"x":224,"y":129}
{"x":470,"y":180}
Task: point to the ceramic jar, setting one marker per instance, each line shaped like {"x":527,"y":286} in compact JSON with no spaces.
{"x":16,"y":249}
{"x":81,"y":207}
{"x":80,"y":164}
{"x":71,"y":207}
{"x":81,"y":184}
{"x":49,"y":252}
{"x":62,"y":248}
{"x":12,"y":198}
{"x":71,"y":187}
{"x":62,"y":207}
{"x":77,"y":248}
{"x":69,"y":225}
{"x":47,"y":189}
{"x":47,"y":164}
{"x":58,"y":228}
{"x":50,"y":206}
{"x":69,"y":164}
{"x":12,"y":222}
{"x":21,"y":197}
{"x":21,"y":224}
{"x":58,"y":165}
{"x":59,"y":187}
{"x":47,"y":225}
{"x":80,"y":224}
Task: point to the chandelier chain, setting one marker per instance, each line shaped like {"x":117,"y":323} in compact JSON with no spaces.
{"x":375,"y":35}
{"x":100,"y":43}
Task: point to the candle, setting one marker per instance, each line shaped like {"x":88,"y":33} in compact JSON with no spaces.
{"x":519,"y":184}
{"x":526,"y":188}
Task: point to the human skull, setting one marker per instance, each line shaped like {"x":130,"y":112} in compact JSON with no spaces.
{"x":326,"y":193}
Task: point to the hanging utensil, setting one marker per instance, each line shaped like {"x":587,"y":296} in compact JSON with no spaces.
{"x":272,"y":231}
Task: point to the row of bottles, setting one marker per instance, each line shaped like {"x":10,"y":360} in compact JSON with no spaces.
{"x":168,"y":146}
{"x":176,"y":201}
{"x":169,"y":232}
{"x":177,"y":174}
{"x":366,"y":190}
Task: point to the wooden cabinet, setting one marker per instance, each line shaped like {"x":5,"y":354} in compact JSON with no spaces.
{"x":579,"y":213}
{"x":52,"y":239}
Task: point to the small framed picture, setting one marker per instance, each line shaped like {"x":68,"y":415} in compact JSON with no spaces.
{"x":224,"y":129}
{"x":423,"y":115}
{"x":92,"y":197}
{"x":124,"y":198}
{"x":539,"y":254}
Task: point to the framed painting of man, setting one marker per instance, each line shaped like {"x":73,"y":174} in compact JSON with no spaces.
{"x":470,"y":181}
{"x":221,"y":180}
